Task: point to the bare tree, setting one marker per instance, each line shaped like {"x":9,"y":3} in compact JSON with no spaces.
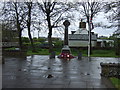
{"x":113,"y":7}
{"x":89,"y":9}
{"x":20,"y":14}
{"x":13,"y":11}
{"x":53,"y":12}
{"x":28,"y":22}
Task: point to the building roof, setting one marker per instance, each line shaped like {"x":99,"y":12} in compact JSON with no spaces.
{"x":107,"y":40}
{"x":81,"y":37}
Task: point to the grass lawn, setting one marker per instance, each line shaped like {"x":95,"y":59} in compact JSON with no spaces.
{"x":116,"y":82}
{"x":103,"y":53}
{"x":95,"y":53}
{"x":38,"y":52}
{"x":75,"y":52}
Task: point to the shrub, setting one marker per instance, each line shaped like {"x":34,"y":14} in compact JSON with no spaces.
{"x":25,"y":40}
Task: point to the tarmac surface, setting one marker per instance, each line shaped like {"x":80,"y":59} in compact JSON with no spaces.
{"x":38,"y":71}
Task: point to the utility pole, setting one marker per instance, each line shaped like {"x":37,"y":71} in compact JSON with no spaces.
{"x":89,"y":42}
{"x":88,"y":31}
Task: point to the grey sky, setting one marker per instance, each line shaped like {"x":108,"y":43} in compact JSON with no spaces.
{"x":100,"y":18}
{"x":75,"y":25}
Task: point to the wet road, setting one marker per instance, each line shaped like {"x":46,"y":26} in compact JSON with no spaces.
{"x":38,"y":71}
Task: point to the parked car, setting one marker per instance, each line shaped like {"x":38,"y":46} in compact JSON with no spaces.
{"x":66,"y":53}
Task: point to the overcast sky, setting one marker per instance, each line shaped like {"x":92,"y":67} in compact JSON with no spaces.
{"x":74,"y":26}
{"x":103,"y":31}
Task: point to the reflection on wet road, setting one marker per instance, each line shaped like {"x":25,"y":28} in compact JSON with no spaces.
{"x":38,"y":71}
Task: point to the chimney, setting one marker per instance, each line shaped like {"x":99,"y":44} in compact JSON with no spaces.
{"x":73,"y":32}
{"x":82,"y":24}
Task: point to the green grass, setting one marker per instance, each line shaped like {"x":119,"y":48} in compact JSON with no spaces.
{"x":13,"y":48}
{"x":38,"y":52}
{"x":95,"y":53}
{"x":75,"y":52}
{"x":115,"y":82}
{"x":103,"y":53}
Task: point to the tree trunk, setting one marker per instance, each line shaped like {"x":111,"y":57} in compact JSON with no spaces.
{"x":19,"y":31}
{"x":31,"y":40}
{"x":20,"y":39}
{"x":117,"y":46}
{"x":50,"y":40}
{"x":29,"y":31}
{"x":19,"y":34}
{"x":49,"y":34}
{"x":29,"y":25}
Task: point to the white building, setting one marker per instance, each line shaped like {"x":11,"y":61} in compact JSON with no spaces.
{"x":80,"y":37}
{"x":103,"y":42}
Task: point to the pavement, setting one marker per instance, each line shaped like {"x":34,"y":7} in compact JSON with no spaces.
{"x":38,"y":71}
